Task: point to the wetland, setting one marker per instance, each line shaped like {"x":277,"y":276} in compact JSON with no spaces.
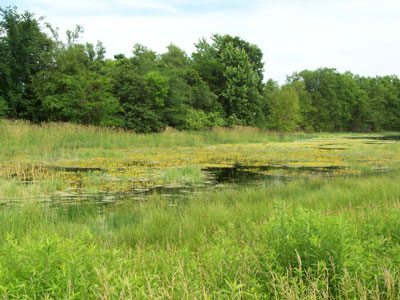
{"x":239,"y":213}
{"x":106,"y":175}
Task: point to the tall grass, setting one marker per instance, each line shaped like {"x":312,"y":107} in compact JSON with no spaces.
{"x":336,"y":238}
{"x":63,"y":139}
{"x":315,"y":239}
{"x":184,"y":175}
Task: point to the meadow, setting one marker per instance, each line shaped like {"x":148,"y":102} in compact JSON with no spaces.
{"x":241,"y":213}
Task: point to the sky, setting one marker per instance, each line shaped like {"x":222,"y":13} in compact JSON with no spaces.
{"x":361,"y":36}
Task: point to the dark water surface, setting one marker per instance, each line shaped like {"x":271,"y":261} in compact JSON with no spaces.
{"x":216,"y":178}
{"x":378,"y":138}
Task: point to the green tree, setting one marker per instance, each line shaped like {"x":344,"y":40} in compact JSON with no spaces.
{"x":270,"y":87}
{"x":284,"y":109}
{"x":24,"y":51}
{"x":306,"y":109}
{"x":392,"y":102}
{"x":240,"y":97}
{"x":174,"y":65}
{"x":144,"y":60}
{"x":334,"y":97}
{"x":190,"y":104}
{"x":233,"y":69}
{"x":373,"y":108}
{"x":253,"y":52}
{"x":142,"y":96}
{"x":73,"y":87}
{"x":3,"y":107}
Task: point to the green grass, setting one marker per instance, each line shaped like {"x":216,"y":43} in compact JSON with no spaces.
{"x":316,"y":239}
{"x":20,"y":191}
{"x":185,"y":175}
{"x":62,"y":140}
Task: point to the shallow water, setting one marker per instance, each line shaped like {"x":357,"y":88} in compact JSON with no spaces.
{"x":134,"y":176}
{"x":216,"y":178}
{"x":249,"y":174}
{"x":378,"y":138}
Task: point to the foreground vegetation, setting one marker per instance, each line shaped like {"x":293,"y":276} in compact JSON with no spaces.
{"x":317,"y":235}
{"x":316,"y":239}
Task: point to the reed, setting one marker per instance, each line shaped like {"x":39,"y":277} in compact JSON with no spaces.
{"x":318,"y":239}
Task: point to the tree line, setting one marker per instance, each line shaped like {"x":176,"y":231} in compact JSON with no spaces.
{"x":43,"y":78}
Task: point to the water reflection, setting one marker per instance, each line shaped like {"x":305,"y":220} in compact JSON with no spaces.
{"x":378,"y":138}
{"x":217,"y":178}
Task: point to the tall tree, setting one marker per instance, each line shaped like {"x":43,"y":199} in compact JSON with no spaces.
{"x":190,"y":103}
{"x":334,"y":97}
{"x":373,"y":109}
{"x":24,"y":51}
{"x":284,"y":109}
{"x":142,"y":91}
{"x":73,"y":88}
{"x":253,"y":52}
{"x":392,"y":102}
{"x":306,"y":109}
{"x":240,"y":97}
{"x":233,"y":69}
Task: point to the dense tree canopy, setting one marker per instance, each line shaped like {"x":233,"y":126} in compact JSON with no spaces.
{"x":220,"y":84}
{"x":233,"y":69}
{"x":24,"y":50}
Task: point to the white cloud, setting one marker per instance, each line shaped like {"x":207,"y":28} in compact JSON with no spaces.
{"x":61,"y":7}
{"x":148,"y":4}
{"x":361,"y":36}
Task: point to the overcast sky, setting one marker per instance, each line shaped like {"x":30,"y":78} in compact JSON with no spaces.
{"x":362,"y":36}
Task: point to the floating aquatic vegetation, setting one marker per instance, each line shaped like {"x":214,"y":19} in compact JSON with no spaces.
{"x":119,"y":173}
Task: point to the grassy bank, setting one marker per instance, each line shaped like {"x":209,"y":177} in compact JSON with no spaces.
{"x":62,"y":139}
{"x":316,"y":239}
